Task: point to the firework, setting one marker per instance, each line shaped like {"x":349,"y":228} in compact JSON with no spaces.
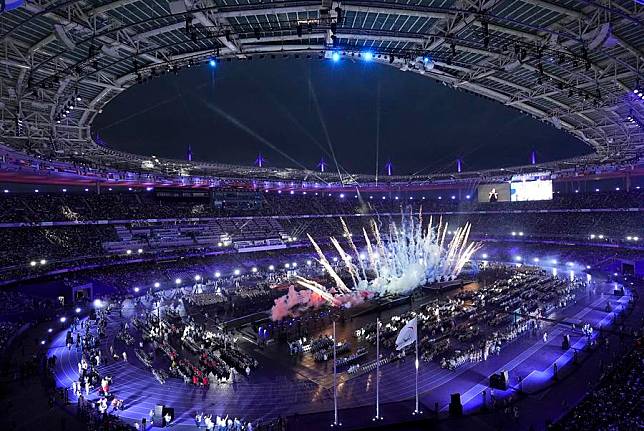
{"x":406,"y":257}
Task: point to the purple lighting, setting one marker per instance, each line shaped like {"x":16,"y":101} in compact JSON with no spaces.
{"x":389,"y":168}
{"x":322,"y":165}
{"x":259,"y":161}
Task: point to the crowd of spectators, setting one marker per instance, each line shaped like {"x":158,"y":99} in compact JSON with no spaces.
{"x":567,"y":217}
{"x":29,"y":208}
{"x":615,"y":404}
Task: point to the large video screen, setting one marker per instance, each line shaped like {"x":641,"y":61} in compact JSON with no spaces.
{"x":499,"y":192}
{"x":539,"y":190}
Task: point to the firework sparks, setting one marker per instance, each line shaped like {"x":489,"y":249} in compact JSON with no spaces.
{"x":397,"y":263}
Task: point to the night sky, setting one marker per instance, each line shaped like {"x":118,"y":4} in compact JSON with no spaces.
{"x":297,"y":111}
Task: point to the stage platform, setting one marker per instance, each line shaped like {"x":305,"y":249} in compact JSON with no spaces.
{"x":281,"y":386}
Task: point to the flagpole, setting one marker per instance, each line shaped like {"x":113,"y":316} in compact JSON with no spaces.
{"x":377,"y":370}
{"x":417,"y":411}
{"x":335,"y":386}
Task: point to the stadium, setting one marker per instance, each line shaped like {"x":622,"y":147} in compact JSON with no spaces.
{"x":313,"y":215}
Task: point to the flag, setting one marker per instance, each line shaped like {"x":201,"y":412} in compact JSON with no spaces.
{"x":407,"y":335}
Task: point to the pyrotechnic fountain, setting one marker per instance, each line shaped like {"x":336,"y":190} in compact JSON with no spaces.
{"x":408,"y":257}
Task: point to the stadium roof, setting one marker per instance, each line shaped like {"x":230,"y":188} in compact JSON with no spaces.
{"x":573,"y":63}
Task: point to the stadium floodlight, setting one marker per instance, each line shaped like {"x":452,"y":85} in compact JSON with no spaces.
{"x":50,"y":330}
{"x":32,"y":263}
{"x":177,"y":281}
{"x":77,"y":310}
{"x":514,"y":234}
{"x":157,"y":284}
{"x":569,"y":263}
{"x":98,"y":303}
{"x":6,"y":191}
{"x":335,"y":259}
{"x":335,"y":56}
{"x":294,"y":264}
{"x":554,"y":261}
{"x":287,"y":265}
{"x":484,"y":255}
{"x":237,"y":272}
{"x":453,"y":197}
{"x":128,"y":252}
{"x":368,"y":56}
{"x":636,"y":238}
{"x":342,"y":195}
{"x":63,"y":319}
{"x":601,"y":237}
{"x":592,"y":236}
{"x":596,"y":190}
{"x":42,"y":342}
{"x":136,"y":290}
{"x":536,"y":259}
{"x":271,"y":267}
{"x":140,"y":251}
{"x":292,"y":192}
{"x":217,"y":274}
{"x":197,"y":277}
{"x":308,"y":263}
{"x":254,"y":269}
{"x":36,"y":191}
{"x":219,"y":244}
{"x":587,"y":266}
{"x":43,"y":261}
{"x":518,"y":258}
{"x":64,"y":190}
{"x":628,"y":238}
{"x":520,"y":233}
{"x":212,"y":62}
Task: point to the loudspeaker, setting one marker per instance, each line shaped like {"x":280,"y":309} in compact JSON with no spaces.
{"x":499,"y":381}
{"x":565,"y":344}
{"x":169,"y":411}
{"x":158,"y":411}
{"x":455,"y":406}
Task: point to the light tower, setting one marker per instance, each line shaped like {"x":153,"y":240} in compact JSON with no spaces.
{"x":389,"y":167}
{"x":189,"y":153}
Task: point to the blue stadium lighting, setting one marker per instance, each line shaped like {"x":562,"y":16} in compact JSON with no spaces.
{"x":237,"y":272}
{"x":77,"y":310}
{"x":98,"y":303}
{"x":484,"y":255}
{"x":212,"y":62}
{"x":335,"y":57}
{"x":136,"y":290}
{"x":368,"y":56}
{"x":217,"y":274}
{"x":63,"y":319}
{"x":426,"y":60}
{"x":157,"y":284}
